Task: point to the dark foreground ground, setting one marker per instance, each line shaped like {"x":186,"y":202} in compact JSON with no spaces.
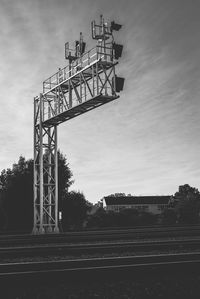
{"x":146,"y":284}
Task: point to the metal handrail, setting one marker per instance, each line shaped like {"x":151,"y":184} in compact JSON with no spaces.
{"x":87,"y":59}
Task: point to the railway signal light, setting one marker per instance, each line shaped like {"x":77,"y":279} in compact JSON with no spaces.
{"x":117,"y":50}
{"x":118,"y":83}
{"x":80,"y":47}
{"x":115,"y":26}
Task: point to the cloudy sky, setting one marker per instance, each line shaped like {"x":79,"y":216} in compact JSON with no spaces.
{"x":148,"y":141}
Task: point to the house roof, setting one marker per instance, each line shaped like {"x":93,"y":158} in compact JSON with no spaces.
{"x":131,"y":200}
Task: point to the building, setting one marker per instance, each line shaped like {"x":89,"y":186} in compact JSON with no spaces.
{"x":152,"y":204}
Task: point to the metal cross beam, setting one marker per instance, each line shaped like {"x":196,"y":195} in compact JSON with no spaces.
{"x":87,"y":84}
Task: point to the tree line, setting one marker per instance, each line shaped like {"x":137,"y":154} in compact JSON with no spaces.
{"x":16,"y":197}
{"x":183,"y":208}
{"x":16,"y":203}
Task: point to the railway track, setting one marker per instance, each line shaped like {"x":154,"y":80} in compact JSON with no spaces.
{"x":100,"y":252}
{"x":105,"y":257}
{"x":101,"y":235}
{"x":100,"y":264}
{"x":113,"y":247}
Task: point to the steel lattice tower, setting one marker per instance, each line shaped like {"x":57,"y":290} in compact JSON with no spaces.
{"x":88,"y":82}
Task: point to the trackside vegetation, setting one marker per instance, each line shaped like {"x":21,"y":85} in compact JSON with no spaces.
{"x":16,"y":203}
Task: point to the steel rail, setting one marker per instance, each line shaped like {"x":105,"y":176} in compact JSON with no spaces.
{"x":107,"y":230}
{"x":96,"y":264}
{"x":70,"y":251}
{"x":125,"y":233}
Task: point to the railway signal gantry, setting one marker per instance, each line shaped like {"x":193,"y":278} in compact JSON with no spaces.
{"x":88,"y":82}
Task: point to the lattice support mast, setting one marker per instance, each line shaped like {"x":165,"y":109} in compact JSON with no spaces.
{"x":45,"y":173}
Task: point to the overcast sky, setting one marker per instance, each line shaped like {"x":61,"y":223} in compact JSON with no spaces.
{"x":148,"y":141}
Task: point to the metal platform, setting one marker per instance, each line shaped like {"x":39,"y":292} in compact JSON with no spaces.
{"x":79,"y":109}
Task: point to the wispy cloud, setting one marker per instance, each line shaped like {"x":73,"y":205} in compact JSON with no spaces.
{"x":145,"y":142}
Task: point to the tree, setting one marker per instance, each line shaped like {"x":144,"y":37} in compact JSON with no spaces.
{"x":117,"y":195}
{"x":123,"y":218}
{"x":17,"y":192}
{"x":97,"y":219}
{"x":3,"y":219}
{"x":74,"y":210}
{"x":147,"y":218}
{"x":18,"y":195}
{"x":64,"y":178}
{"x":187,"y":204}
{"x":169,"y":216}
{"x":127,"y":217}
{"x":64,"y":175}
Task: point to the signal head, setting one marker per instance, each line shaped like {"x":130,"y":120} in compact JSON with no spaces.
{"x":118,"y":82}
{"x":115,"y":26}
{"x":117,"y":50}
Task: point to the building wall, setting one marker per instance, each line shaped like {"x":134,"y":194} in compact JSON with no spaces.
{"x":152,"y":208}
